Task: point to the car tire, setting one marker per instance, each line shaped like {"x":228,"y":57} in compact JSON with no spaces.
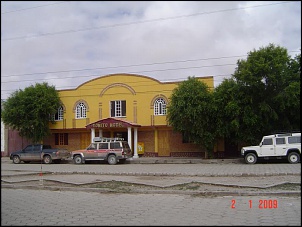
{"x":47,"y":159}
{"x":77,"y":159}
{"x":250,"y":158}
{"x":16,"y":159}
{"x":111,"y":159}
{"x":293,"y":158}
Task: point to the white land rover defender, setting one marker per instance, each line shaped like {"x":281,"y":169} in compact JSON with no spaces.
{"x":277,"y":146}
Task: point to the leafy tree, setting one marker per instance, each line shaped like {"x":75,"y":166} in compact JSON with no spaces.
{"x":190,"y":112}
{"x":262,"y":97}
{"x":29,"y":110}
{"x":227,"y":110}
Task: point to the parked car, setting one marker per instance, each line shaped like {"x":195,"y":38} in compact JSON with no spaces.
{"x":277,"y":146}
{"x":112,"y":150}
{"x":40,"y":152}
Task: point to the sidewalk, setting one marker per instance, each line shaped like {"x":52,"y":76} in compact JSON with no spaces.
{"x":169,"y":160}
{"x":219,"y":176}
{"x":181,"y":160}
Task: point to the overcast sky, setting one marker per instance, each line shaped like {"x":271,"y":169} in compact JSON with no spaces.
{"x":69,"y":43}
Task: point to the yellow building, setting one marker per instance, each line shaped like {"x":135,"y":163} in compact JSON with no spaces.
{"x":121,"y":105}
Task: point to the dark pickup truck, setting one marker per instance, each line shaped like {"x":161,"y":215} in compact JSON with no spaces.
{"x":39,"y":152}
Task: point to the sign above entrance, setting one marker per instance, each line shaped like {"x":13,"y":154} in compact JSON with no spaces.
{"x":111,"y":123}
{"x":108,"y":125}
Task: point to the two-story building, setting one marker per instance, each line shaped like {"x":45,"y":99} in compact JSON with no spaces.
{"x":130,"y":106}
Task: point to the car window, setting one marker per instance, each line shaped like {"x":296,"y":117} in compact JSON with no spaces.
{"x":103,"y":145}
{"x":36,"y":148}
{"x":92,"y":146}
{"x":280,"y":141}
{"x":115,"y":145}
{"x":294,"y":139}
{"x":267,"y":141}
{"x":28,"y":148}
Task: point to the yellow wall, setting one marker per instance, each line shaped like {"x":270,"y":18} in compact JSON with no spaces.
{"x":138,"y":91}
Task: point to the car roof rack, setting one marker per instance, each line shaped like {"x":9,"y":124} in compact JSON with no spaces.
{"x":286,"y":131}
{"x":107,"y":139}
{"x":288,"y":134}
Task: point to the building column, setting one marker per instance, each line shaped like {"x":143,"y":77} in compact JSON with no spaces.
{"x":92,"y":134}
{"x":100,"y":133}
{"x":129,"y":138}
{"x":135,"y":143}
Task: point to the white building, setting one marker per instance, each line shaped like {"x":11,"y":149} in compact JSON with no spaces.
{"x":4,"y":134}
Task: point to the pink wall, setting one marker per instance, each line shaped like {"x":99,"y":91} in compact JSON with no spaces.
{"x":15,"y":142}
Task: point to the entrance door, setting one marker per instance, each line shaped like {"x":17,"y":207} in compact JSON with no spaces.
{"x":85,"y":140}
{"x":163,"y":143}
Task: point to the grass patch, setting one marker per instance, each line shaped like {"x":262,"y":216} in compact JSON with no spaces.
{"x":288,"y":186}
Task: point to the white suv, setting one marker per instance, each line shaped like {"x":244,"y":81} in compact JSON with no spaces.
{"x":275,"y":146}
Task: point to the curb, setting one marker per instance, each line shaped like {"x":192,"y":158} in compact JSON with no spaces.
{"x":166,"y":160}
{"x":160,"y":174}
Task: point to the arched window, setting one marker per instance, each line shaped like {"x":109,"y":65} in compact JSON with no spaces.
{"x":81,"y":110}
{"x":160,"y":107}
{"x":59,"y":115}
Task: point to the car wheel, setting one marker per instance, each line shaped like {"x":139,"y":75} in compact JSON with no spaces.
{"x":293,"y":158}
{"x":16,"y":159}
{"x":112,"y":159}
{"x":250,"y":158}
{"x":47,"y":159}
{"x":77,"y":159}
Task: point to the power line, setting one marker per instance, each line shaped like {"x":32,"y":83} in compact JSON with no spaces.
{"x":34,"y":7}
{"x":140,"y":22}
{"x":178,"y":80}
{"x":122,"y":66}
{"x":119,"y":93}
{"x":137,"y":72}
{"x":136,"y":82}
{"x":143,"y":71}
{"x":89,"y":87}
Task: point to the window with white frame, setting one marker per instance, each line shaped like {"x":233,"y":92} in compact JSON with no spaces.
{"x":118,"y":108}
{"x":81,"y":110}
{"x":160,"y":107}
{"x":59,"y":115}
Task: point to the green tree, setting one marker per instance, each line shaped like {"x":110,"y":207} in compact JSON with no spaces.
{"x":29,"y":111}
{"x":190,"y":112}
{"x":262,"y":97}
{"x":227,"y":110}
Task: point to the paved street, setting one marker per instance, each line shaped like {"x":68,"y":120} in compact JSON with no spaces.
{"x":40,"y":207}
{"x":198,"y":169}
{"x":82,"y":207}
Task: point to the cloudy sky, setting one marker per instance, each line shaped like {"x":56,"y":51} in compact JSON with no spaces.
{"x":67,"y":43}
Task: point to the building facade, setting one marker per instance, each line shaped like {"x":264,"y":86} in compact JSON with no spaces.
{"x":4,"y":132}
{"x":130,"y":106}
